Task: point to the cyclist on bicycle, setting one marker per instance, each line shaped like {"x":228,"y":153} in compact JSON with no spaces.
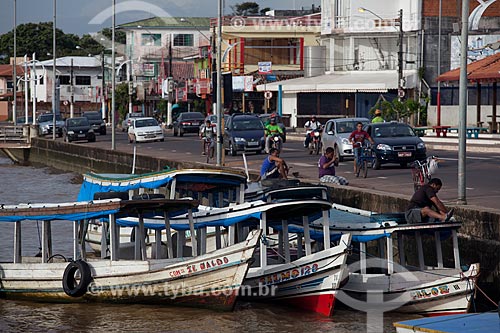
{"x":207,"y":134}
{"x":357,"y":138}
{"x":270,"y":130}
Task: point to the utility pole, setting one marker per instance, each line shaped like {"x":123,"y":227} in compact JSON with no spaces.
{"x":401,"y":92}
{"x":169,"y":83}
{"x":219,"y":82}
{"x":113,"y":79}
{"x":72,"y":87}
{"x":54,"y":108}
{"x":462,"y":113}
{"x":438,"y":97}
{"x":14,"y":78}
{"x":103,"y":90}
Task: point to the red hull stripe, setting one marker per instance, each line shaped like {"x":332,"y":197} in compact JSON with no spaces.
{"x":322,"y":304}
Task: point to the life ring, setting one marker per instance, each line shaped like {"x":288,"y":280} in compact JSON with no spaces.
{"x":71,"y":286}
{"x":110,"y":195}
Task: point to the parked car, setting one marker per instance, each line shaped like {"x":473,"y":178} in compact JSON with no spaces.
{"x":279,"y":121}
{"x":244,"y":132}
{"x":188,"y":122}
{"x":22,"y":120}
{"x":46,"y":122}
{"x":78,"y":128}
{"x":395,"y":143}
{"x":336,"y":135}
{"x":96,"y":121}
{"x":128,"y":119}
{"x":145,"y":129}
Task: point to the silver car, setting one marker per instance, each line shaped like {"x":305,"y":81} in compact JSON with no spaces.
{"x":336,"y":134}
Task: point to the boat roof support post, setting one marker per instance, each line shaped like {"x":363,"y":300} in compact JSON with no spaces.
{"x":326,"y":229}
{"x":456,"y":253}
{"x":307,"y":235}
{"x":202,"y":234}
{"x":210,"y":198}
{"x":137,"y":244}
{"x":439,"y":251}
{"x":286,"y":240}
{"x":130,"y":194}
{"x":157,"y":244}
{"x":168,"y":231}
{"x":221,"y":200}
{"x":390,"y":256}
{"x":263,"y":246}
{"x":232,"y":235}
{"x":113,"y":237}
{"x":17,"y":243}
{"x":83,"y":234}
{"x":194,"y":245}
{"x":218,"y":235}
{"x":104,"y":240}
{"x":401,"y":248}
{"x":299,"y":246}
{"x":173,"y":188}
{"x":46,"y":252}
{"x":241,"y":197}
{"x":142,"y":237}
{"x":281,"y":245}
{"x":420,"y":250}
{"x":76,"y":245}
{"x":181,"y":240}
{"x":362,"y":257}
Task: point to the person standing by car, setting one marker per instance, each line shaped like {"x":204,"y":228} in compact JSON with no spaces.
{"x":270,"y":130}
{"x":326,"y":168}
{"x":207,"y":133}
{"x":311,"y":125}
{"x":422,"y":202}
{"x":378,"y":117}
{"x":357,"y":138}
{"x":273,"y":166}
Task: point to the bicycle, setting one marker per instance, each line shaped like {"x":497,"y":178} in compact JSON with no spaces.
{"x":422,"y":171}
{"x":207,"y":148}
{"x":364,"y":160}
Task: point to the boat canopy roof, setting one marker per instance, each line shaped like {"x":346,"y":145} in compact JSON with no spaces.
{"x":248,"y":213}
{"x":75,"y":211}
{"x":199,"y":179}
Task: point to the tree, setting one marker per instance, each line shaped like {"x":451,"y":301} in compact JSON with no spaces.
{"x":264,"y":10}
{"x":245,"y":9}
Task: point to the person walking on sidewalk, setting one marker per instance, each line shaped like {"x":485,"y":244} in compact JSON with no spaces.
{"x":420,"y":209}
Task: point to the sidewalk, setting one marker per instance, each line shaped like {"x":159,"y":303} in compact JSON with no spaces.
{"x":487,"y":143}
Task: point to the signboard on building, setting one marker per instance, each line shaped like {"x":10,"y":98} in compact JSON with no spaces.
{"x":242,"y":83}
{"x":265,"y":67}
{"x":148,"y":69}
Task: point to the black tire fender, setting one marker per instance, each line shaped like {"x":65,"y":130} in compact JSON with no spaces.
{"x":71,"y":286}
{"x":110,"y":195}
{"x":148,"y":196}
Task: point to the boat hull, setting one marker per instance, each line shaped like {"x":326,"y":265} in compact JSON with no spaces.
{"x":309,"y":283}
{"x":212,"y":280}
{"x":427,"y":293}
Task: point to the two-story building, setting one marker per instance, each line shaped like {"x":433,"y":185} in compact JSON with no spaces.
{"x":7,"y":89}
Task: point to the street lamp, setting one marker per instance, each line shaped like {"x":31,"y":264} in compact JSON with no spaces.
{"x":363,"y":9}
{"x":129,"y":81}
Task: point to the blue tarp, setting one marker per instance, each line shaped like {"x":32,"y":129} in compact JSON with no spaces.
{"x":67,"y":217}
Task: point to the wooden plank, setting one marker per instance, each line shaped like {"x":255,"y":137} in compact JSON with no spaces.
{"x":17,"y":243}
{"x":456,"y":252}
{"x":307,"y":235}
{"x":168,"y":231}
{"x":112,"y":238}
{"x":194,"y":246}
{"x":286,"y":240}
{"x":439,"y":252}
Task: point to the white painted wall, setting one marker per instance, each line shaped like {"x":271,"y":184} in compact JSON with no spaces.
{"x":450,"y":113}
{"x":290,"y":107}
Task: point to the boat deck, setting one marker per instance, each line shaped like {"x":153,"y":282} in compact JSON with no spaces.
{"x":470,"y":323}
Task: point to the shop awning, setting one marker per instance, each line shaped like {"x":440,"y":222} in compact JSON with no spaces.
{"x":351,"y":82}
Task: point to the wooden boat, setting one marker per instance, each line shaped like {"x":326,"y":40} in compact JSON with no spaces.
{"x":462,"y":323}
{"x":408,"y":263}
{"x":214,"y":188}
{"x":210,"y":280}
{"x":308,"y":279}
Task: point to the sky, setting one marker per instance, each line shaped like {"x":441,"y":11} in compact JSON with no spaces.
{"x":88,"y":16}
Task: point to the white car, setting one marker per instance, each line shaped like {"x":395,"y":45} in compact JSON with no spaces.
{"x":128,"y":119}
{"x":336,"y":135}
{"x":145,"y":129}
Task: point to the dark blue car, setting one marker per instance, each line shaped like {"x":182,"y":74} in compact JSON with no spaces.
{"x":245,"y":133}
{"x":395,"y":143}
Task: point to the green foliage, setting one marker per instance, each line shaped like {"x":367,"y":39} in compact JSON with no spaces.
{"x":121,"y":99}
{"x":245,"y":9}
{"x":37,"y":37}
{"x":400,"y":110}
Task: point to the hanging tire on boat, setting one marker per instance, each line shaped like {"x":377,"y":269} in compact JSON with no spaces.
{"x":110,"y":195}
{"x":74,"y":285}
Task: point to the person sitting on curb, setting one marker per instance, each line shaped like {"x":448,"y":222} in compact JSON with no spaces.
{"x":326,"y":168}
{"x":420,"y":208}
{"x":378,"y":117}
{"x":273,"y":166}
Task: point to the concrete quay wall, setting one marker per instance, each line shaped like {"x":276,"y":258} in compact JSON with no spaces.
{"x":479,"y":235}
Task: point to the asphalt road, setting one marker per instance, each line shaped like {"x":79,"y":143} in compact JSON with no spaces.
{"x":482,"y":179}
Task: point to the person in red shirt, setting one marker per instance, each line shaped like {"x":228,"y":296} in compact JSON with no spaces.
{"x":357,"y":138}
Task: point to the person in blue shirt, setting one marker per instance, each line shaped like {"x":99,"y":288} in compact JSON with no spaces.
{"x":273,"y":166}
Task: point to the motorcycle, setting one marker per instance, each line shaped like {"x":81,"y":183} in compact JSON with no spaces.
{"x":315,"y":143}
{"x":276,"y":141}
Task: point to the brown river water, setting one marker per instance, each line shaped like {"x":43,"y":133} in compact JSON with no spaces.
{"x":39,"y":184}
